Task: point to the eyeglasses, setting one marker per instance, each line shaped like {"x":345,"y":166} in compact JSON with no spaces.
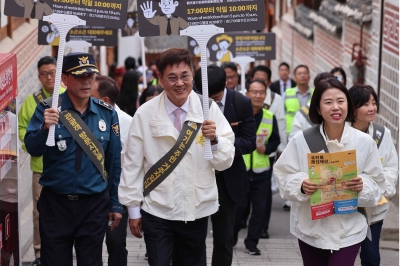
{"x":46,"y":74}
{"x":174,"y":79}
{"x":231,"y":77}
{"x":258,"y":92}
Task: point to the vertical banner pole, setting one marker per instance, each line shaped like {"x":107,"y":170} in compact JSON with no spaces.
{"x":63,"y":23}
{"x":143,"y":62}
{"x":202,"y":35}
{"x":243,"y":61}
{"x":103,"y":61}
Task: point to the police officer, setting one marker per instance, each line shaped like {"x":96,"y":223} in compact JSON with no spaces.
{"x":81,"y":172}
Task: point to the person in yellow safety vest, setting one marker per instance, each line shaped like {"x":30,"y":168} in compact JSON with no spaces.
{"x":258,"y":169}
{"x":295,"y":98}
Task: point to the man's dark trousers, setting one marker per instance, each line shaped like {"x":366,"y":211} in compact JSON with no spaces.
{"x":116,"y":242}
{"x":258,"y":200}
{"x":268,"y":193}
{"x":223,"y":224}
{"x":181,"y":241}
{"x":64,"y":223}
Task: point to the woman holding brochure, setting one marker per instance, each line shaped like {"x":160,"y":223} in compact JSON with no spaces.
{"x":336,"y":239}
{"x":366,"y":103}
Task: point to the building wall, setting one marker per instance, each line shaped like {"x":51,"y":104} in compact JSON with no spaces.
{"x":326,"y":51}
{"x":24,"y":45}
{"x":389,"y":86}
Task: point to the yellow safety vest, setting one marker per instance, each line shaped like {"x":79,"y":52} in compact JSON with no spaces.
{"x":292,"y":105}
{"x":260,"y":162}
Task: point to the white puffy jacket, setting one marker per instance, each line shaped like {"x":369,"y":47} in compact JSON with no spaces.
{"x":390,"y":164}
{"x":336,"y":231}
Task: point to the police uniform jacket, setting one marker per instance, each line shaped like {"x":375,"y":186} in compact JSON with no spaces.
{"x":24,"y":116}
{"x":336,"y":231}
{"x":190,"y":191}
{"x":71,"y":171}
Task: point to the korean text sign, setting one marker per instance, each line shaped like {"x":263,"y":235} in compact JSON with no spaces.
{"x":107,"y":13}
{"x":168,"y":17}
{"x":101,"y":36}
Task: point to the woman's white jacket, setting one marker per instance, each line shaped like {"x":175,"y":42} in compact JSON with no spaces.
{"x":336,"y":231}
{"x":390,"y":164}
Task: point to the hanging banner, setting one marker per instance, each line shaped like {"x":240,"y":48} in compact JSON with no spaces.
{"x":132,"y":24}
{"x":100,"y":36}
{"x":109,"y":14}
{"x":9,"y":223}
{"x":224,"y":47}
{"x":162,"y":17}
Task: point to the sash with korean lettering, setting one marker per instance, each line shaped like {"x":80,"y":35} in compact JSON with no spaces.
{"x":85,"y":138}
{"x":39,"y":96}
{"x":163,"y":167}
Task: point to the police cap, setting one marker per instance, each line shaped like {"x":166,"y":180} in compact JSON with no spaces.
{"x":79,"y":64}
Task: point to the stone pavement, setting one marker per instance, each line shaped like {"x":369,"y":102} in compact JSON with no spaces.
{"x":274,"y":252}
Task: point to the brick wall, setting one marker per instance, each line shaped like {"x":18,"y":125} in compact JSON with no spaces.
{"x":389,"y":86}
{"x":326,"y":51}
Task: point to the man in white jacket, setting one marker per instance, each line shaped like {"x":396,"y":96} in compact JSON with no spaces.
{"x":174,"y":214}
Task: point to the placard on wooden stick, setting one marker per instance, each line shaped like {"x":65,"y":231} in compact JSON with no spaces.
{"x":199,"y":20}
{"x":66,"y":15}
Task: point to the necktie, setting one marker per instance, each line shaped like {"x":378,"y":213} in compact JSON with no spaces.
{"x":221,"y":106}
{"x":33,"y":12}
{"x":177,"y":121}
{"x":169,"y":27}
{"x":284,"y":86}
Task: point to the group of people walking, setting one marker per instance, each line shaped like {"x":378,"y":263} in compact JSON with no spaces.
{"x":109,"y":170}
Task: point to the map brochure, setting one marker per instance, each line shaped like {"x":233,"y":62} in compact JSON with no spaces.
{"x":331,"y":171}
{"x":262,"y":137}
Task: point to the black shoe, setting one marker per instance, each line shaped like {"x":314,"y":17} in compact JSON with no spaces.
{"x":264,"y":234}
{"x":286,"y":207}
{"x":36,"y":262}
{"x":253,"y":251}
{"x":146,"y":257}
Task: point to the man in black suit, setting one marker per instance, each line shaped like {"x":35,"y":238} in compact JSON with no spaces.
{"x":284,"y":82}
{"x":232,"y":183}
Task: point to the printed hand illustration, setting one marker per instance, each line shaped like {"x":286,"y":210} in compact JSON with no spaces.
{"x":147,"y":8}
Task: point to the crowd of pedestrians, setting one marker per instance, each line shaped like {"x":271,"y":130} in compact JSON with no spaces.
{"x":132,"y":155}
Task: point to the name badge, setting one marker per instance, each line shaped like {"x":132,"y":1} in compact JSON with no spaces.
{"x":102,"y":125}
{"x":62,"y":145}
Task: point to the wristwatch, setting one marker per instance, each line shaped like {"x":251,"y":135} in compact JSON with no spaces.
{"x":215,"y":141}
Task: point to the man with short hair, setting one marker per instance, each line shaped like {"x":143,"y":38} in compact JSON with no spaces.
{"x":81,"y":172}
{"x":46,"y":73}
{"x":166,"y":183}
{"x":274,"y":103}
{"x":295,"y":98}
{"x":232,"y":76}
{"x":284,"y":82}
{"x":130,"y":63}
{"x":232,"y":183}
{"x":106,"y":89}
{"x":259,"y":167}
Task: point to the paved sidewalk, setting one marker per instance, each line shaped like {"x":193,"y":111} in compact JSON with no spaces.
{"x":274,"y":252}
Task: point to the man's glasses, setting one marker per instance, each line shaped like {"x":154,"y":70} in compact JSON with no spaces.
{"x":231,"y":77}
{"x":174,"y":79}
{"x":46,"y":74}
{"x":258,"y":92}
